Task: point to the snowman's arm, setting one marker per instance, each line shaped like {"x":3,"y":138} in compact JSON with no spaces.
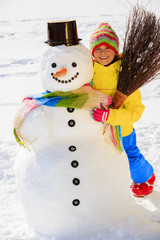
{"x":35,"y":125}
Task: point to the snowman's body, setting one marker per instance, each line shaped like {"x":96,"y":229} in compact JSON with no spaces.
{"x":74,"y":181}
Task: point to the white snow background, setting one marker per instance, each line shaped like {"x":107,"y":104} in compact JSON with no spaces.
{"x":23,"y":30}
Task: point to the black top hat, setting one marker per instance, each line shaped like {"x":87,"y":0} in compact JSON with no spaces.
{"x":62,"y":32}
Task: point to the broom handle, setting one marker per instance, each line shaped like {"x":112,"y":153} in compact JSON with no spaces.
{"x":118,"y":99}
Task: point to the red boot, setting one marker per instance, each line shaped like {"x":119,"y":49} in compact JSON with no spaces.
{"x":143,"y":189}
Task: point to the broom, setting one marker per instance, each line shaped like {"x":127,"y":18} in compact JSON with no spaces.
{"x":140,"y":62}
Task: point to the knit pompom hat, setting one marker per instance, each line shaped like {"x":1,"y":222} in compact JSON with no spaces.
{"x":104,"y":35}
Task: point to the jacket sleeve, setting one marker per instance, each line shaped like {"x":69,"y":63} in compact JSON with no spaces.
{"x":129,"y":112}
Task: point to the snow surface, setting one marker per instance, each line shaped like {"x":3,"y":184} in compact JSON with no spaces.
{"x":22,"y":36}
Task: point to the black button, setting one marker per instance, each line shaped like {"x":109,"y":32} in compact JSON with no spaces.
{"x":71,"y":123}
{"x":70,"y":110}
{"x":76,"y":202}
{"x":76,"y":181}
{"x":72,"y":148}
{"x":74,"y":164}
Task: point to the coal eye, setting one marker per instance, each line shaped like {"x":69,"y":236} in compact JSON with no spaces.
{"x":54,"y":65}
{"x":74,"y":64}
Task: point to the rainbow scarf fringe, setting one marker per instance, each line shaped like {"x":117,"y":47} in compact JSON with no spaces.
{"x":117,"y":138}
{"x":83,"y":98}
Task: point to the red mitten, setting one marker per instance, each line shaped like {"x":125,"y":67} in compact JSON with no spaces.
{"x":100,"y":115}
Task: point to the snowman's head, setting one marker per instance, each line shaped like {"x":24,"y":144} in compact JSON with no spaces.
{"x":65,"y":68}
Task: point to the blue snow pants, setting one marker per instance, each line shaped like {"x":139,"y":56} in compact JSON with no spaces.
{"x":140,"y":169}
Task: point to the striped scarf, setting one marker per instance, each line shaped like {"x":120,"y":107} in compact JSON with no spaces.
{"x":83,"y":98}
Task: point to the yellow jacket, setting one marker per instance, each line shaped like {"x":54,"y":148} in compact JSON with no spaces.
{"x":105,"y":80}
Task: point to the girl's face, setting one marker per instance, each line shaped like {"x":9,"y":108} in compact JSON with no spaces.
{"x":104,"y":55}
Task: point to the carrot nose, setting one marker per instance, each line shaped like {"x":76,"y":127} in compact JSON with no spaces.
{"x":60,"y":72}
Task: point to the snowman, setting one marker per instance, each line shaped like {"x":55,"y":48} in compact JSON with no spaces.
{"x":72,"y":181}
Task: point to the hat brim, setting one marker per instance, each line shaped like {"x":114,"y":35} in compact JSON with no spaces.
{"x":67,"y":43}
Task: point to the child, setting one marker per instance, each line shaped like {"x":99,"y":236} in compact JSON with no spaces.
{"x":104,"y":45}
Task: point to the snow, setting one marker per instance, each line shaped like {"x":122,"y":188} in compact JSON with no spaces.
{"x":22,"y":36}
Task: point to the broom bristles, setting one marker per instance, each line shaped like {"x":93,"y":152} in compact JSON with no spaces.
{"x":141,"y":52}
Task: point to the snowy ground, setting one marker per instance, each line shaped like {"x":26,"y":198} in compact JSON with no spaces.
{"x":21,"y":44}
